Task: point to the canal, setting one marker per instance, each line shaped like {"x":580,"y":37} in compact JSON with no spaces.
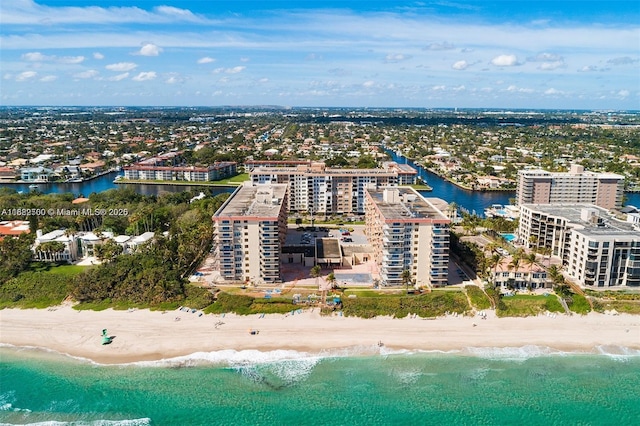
{"x":105,"y":182}
{"x":473,"y":201}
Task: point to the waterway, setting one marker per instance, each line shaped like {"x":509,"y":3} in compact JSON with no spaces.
{"x":472,"y":201}
{"x":106,"y":182}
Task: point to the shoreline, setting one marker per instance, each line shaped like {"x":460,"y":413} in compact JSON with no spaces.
{"x":143,"y":335}
{"x":174,"y":182}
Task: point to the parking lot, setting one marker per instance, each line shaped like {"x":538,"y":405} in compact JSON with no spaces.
{"x":306,"y":235}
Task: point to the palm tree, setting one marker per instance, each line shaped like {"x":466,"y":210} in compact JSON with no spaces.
{"x":406,"y":278}
{"x":515,"y":262}
{"x":493,"y":262}
{"x":453,"y":211}
{"x":530,"y":259}
{"x":546,"y":251}
{"x":315,"y":273}
{"x":331,"y":279}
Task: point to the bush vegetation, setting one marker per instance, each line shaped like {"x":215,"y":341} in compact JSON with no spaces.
{"x":478,"y":298}
{"x":246,"y":305}
{"x":154,"y":276}
{"x":37,"y":289}
{"x":399,"y":306}
{"x":525,"y":305}
{"x":579,"y":304}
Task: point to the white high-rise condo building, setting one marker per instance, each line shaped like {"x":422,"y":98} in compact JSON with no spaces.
{"x":596,"y":249}
{"x":575,"y":186}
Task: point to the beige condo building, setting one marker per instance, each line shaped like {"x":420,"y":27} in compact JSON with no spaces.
{"x":249,"y":231}
{"x":575,"y":186}
{"x":408,"y":233}
{"x":322,"y":190}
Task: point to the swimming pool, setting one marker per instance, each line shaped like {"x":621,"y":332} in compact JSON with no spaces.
{"x":509,"y":237}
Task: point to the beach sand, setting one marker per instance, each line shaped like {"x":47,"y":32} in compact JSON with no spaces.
{"x":142,"y":335}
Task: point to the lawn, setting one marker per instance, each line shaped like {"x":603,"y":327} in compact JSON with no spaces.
{"x":233,"y":180}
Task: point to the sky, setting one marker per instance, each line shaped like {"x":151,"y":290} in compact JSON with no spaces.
{"x":368,"y":53}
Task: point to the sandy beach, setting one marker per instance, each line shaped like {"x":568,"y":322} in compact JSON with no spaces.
{"x":142,"y":335}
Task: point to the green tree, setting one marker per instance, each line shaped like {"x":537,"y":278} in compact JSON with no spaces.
{"x":406,"y":278}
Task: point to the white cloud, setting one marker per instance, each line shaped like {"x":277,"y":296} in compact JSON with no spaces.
{"x":206,"y":60}
{"x":624,"y":60}
{"x":48,"y":78}
{"x":516,"y":89}
{"x":592,"y":68}
{"x":86,"y":74}
{"x":438,"y":88}
{"x":39,"y":57}
{"x":174,"y":78}
{"x":121,"y":66}
{"x":119,"y":77}
{"x":26,"y":75}
{"x":441,"y":46}
{"x":98,"y":55}
{"x":149,"y":49}
{"x":368,"y":84}
{"x":396,"y":57}
{"x":144,"y":76}
{"x":545,"y":57}
{"x":552,"y":91}
{"x":234,"y":70}
{"x":623,"y":93}
{"x":244,"y":59}
{"x":460,"y":65}
{"x":29,"y":12}
{"x":35,"y":57}
{"x":550,"y":66}
{"x":263,"y":80}
{"x":70,"y":59}
{"x":550,"y":61}
{"x":505,"y":61}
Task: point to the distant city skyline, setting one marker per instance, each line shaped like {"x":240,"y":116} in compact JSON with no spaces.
{"x":431,"y":54}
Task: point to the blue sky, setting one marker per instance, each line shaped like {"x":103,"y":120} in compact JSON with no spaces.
{"x":497,"y":54}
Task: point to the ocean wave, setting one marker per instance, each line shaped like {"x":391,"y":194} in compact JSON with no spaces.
{"x":522,"y":353}
{"x":125,"y":422}
{"x":280,"y":374}
{"x":513,"y":353}
{"x":620,"y":353}
{"x":234,"y":358}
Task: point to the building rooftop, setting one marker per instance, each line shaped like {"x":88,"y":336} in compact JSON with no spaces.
{"x":263,"y":200}
{"x":591,"y":219}
{"x":322,"y":171}
{"x":14,"y":227}
{"x":405,"y":204}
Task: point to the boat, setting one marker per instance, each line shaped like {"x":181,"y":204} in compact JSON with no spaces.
{"x":33,"y":186}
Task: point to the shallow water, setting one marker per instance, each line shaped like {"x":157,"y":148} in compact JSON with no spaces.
{"x":527,"y":385}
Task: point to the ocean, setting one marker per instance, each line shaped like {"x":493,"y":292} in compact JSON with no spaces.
{"x":512,"y":386}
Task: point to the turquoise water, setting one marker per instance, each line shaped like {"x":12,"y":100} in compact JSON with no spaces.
{"x":512,"y":386}
{"x":509,"y":237}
